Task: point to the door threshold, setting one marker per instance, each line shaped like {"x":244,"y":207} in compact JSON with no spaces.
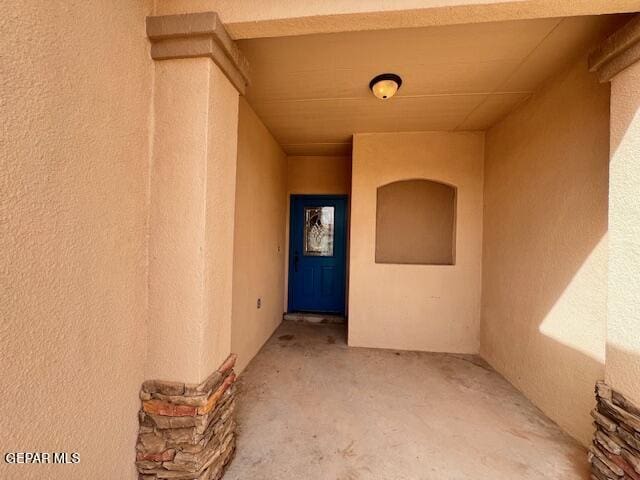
{"x":316,"y":318}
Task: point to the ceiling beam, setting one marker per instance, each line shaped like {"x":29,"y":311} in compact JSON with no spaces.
{"x":276,"y":18}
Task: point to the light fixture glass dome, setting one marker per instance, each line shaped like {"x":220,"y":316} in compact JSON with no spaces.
{"x":385,"y":86}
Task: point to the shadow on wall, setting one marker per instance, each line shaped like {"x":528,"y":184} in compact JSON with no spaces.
{"x":545,"y":247}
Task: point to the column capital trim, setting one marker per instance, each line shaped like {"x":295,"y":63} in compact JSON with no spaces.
{"x":617,"y":52}
{"x":194,"y":35}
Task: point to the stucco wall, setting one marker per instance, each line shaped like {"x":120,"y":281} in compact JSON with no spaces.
{"x":318,"y":175}
{"x":177,"y":219}
{"x":75,"y":96}
{"x":259,"y":247}
{"x":623,"y":324}
{"x":545,"y":259}
{"x":416,"y":307}
{"x":191,"y":220}
{"x":222,"y":158}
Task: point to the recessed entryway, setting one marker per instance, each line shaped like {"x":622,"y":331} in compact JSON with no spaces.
{"x":495,"y":187}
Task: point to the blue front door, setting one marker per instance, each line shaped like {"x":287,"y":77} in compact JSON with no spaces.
{"x":317,"y":253}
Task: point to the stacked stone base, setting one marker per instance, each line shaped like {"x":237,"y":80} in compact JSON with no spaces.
{"x":615,"y":453}
{"x":187,"y":432}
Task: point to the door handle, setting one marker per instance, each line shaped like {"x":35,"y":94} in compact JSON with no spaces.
{"x":296,"y":260}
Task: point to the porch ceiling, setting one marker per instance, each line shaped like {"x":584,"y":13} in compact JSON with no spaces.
{"x":312,"y":91}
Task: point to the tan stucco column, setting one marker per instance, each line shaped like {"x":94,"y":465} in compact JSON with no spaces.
{"x":199,"y":74}
{"x":618,"y":61}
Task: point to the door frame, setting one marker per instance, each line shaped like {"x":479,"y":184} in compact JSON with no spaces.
{"x":320,"y":196}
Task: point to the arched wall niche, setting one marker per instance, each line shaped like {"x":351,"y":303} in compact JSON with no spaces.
{"x":416,"y":222}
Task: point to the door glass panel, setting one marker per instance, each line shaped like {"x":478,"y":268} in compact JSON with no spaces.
{"x":318,"y":231}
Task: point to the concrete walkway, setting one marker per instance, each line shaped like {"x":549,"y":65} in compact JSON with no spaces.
{"x":310,"y":408}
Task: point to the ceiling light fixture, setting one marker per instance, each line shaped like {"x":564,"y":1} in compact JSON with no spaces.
{"x":385,"y":85}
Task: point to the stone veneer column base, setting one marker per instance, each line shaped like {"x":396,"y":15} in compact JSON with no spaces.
{"x":187,"y":432}
{"x":615,"y":453}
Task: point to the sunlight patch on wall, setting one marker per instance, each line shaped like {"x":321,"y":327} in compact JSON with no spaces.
{"x":568,"y":322}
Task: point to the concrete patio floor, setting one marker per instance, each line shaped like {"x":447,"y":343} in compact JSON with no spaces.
{"x":312,"y":408}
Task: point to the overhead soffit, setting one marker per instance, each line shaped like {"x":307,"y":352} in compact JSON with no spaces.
{"x":312,"y":91}
{"x":277,"y":18}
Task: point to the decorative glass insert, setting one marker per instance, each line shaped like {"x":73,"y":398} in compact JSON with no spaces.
{"x":318,"y":231}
